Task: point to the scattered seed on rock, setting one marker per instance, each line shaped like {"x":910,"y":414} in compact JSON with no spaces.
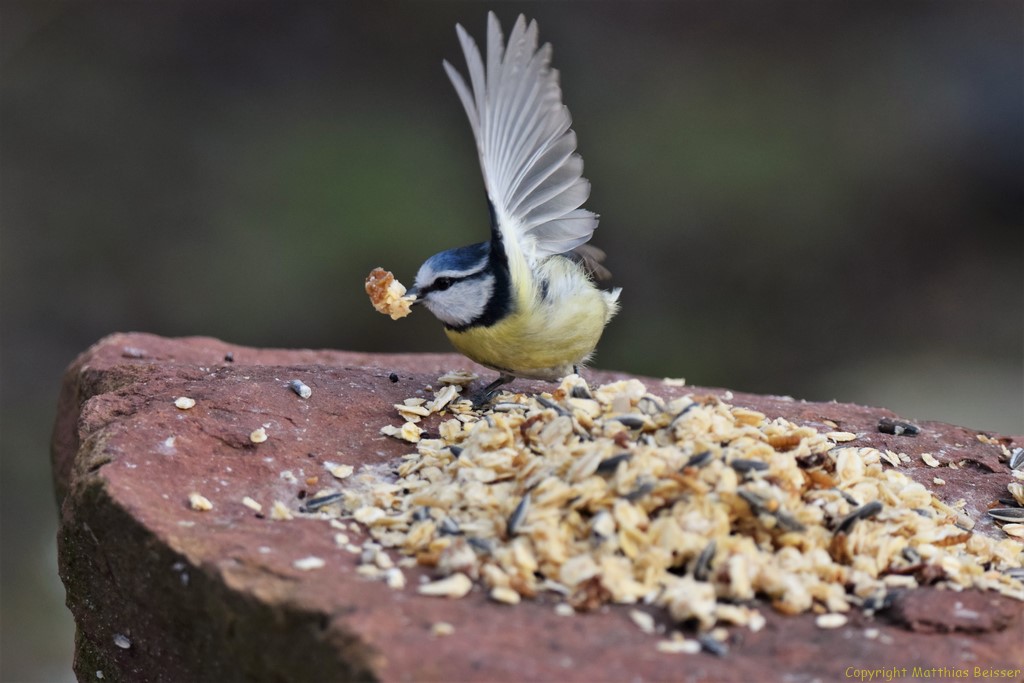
{"x":184,"y":403}
{"x":643,"y":620}
{"x":300,"y":388}
{"x":454,"y":586}
{"x":309,"y":563}
{"x":834,"y":620}
{"x":684,"y":524}
{"x":442,"y":628}
{"x":504,"y":595}
{"x":339,"y":471}
{"x":258,"y":435}
{"x":252,"y":504}
{"x":199,"y":502}
{"x":887,"y":425}
{"x":680,"y":647}
{"x":280,"y":512}
{"x":841,"y":437}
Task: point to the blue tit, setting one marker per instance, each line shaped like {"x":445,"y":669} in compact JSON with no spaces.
{"x":525,"y":302}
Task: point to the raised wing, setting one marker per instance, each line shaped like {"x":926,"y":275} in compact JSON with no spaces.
{"x":527,"y":151}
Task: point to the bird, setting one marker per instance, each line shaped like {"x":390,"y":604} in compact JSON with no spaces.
{"x":524,"y":303}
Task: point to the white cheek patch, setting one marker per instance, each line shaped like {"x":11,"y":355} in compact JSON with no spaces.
{"x":463,"y":302}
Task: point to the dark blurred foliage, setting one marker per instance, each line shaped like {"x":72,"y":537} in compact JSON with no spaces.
{"x":816,"y":199}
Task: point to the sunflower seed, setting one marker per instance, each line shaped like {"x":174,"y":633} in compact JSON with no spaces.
{"x":481,"y":544}
{"x":300,"y":388}
{"x":911,"y":555}
{"x":699,"y":459}
{"x":745,"y":466}
{"x":755,"y":501}
{"x":682,"y":413}
{"x":449,"y":527}
{"x":1017,"y":459}
{"x":581,"y":390}
{"x":639,"y":492}
{"x":314,"y":504}
{"x":650,"y":405}
{"x":702,"y":566}
{"x":517,"y":516}
{"x":888,"y":425}
{"x":1007,"y":514}
{"x":712,"y":645}
{"x":848,"y":498}
{"x":630,"y":421}
{"x":609,"y":465}
{"x":863,"y":512}
{"x":547,"y":403}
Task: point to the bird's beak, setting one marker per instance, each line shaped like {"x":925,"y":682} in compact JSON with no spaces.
{"x":414,"y":294}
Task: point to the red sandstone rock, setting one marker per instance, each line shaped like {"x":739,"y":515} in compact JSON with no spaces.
{"x":161,"y":592}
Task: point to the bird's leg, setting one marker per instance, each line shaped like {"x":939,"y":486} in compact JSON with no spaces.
{"x":484,"y":396}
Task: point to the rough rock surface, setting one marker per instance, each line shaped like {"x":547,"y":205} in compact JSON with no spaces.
{"x":161,"y":592}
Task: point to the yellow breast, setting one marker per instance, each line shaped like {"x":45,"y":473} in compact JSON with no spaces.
{"x":545,"y":336}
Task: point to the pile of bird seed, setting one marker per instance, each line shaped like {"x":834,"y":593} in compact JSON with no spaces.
{"x":694,"y":505}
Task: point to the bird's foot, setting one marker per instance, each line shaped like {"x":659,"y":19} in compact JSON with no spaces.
{"x":482,"y":398}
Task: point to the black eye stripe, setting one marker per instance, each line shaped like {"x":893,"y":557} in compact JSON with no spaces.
{"x":445,"y":282}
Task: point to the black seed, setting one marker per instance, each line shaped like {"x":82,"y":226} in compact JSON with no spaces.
{"x":449,"y":527}
{"x":744,"y":466}
{"x":639,"y":492}
{"x":863,"y":512}
{"x":911,"y":555}
{"x":1015,"y":573}
{"x":715,"y":647}
{"x":229,"y":357}
{"x":888,"y":425}
{"x":547,"y":403}
{"x":393,"y":377}
{"x":1007,"y":514}
{"x":755,"y":501}
{"x":581,"y":391}
{"x":849,"y":499}
{"x":314,"y":504}
{"x":421,"y":514}
{"x":631,"y":421}
{"x":480,"y":544}
{"x":1017,"y":459}
{"x":810,"y":460}
{"x":517,"y":516}
{"x":699,"y":460}
{"x":656,"y":406}
{"x":609,"y":465}
{"x":788,"y":521}
{"x":879,"y":602}
{"x":702,"y":566}
{"x":455,"y":450}
{"x":680,"y":414}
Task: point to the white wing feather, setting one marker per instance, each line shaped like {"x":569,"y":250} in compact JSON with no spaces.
{"x":534,"y":177}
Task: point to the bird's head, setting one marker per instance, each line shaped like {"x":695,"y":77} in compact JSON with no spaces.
{"x":456,"y":285}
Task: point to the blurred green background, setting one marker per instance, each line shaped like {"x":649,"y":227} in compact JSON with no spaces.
{"x":815,"y":199}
